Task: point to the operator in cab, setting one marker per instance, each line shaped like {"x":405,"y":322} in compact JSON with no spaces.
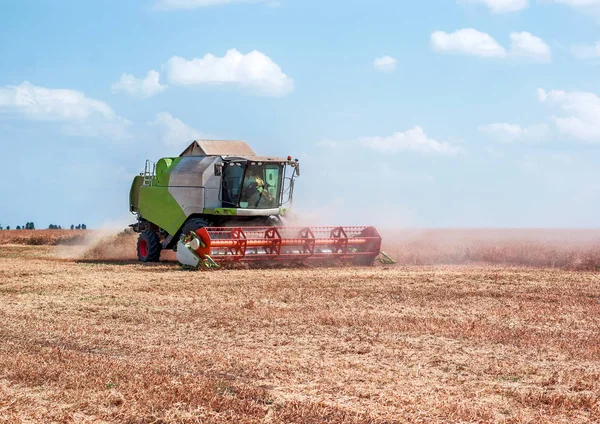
{"x":256,"y":191}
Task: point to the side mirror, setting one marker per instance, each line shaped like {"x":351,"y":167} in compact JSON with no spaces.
{"x":297,"y":168}
{"x":291,"y":195}
{"x":218,"y":169}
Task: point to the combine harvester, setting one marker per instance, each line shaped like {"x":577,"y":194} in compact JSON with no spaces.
{"x":219,"y":202}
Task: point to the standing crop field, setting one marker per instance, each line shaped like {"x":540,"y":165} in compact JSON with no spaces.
{"x":42,"y":237}
{"x":96,"y":340}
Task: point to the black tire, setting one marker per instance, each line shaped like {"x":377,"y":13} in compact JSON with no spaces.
{"x":148,"y":247}
{"x":193,"y":225}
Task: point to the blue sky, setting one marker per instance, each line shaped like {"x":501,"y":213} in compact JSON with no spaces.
{"x":468,"y":113}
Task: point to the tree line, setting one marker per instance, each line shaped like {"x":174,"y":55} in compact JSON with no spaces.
{"x":31,"y":226}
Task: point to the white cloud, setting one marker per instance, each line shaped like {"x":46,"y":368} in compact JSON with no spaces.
{"x":578,"y":3}
{"x":80,"y":115}
{"x":469,"y":41}
{"x":509,"y":133}
{"x":385,"y":64}
{"x":586,"y":6}
{"x":414,"y":140}
{"x":195,"y":4}
{"x":581,"y":118}
{"x":254,"y":71}
{"x":173,"y":132}
{"x":527,"y":46}
{"x":586,"y":51}
{"x":143,"y":88}
{"x":500,"y":6}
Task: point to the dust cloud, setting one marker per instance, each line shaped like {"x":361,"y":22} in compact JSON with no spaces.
{"x":109,"y":243}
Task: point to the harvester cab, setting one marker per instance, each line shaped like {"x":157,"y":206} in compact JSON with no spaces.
{"x":219,"y":201}
{"x":264,"y":185}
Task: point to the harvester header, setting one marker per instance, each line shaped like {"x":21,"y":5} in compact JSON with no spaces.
{"x":361,"y":245}
{"x":219,"y":201}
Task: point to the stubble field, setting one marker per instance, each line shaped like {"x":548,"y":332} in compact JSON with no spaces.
{"x":469,"y":327}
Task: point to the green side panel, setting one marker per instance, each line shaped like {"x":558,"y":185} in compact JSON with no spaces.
{"x":134,"y":193}
{"x":158,"y":206}
{"x":156,"y":203}
{"x":163,"y":167}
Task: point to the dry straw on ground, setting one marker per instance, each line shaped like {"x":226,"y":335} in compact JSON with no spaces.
{"x":94,"y":340}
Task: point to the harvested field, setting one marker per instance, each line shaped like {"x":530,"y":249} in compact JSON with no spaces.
{"x":88,"y":339}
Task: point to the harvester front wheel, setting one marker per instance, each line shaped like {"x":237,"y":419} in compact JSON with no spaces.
{"x":148,"y":247}
{"x":194,"y":224}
